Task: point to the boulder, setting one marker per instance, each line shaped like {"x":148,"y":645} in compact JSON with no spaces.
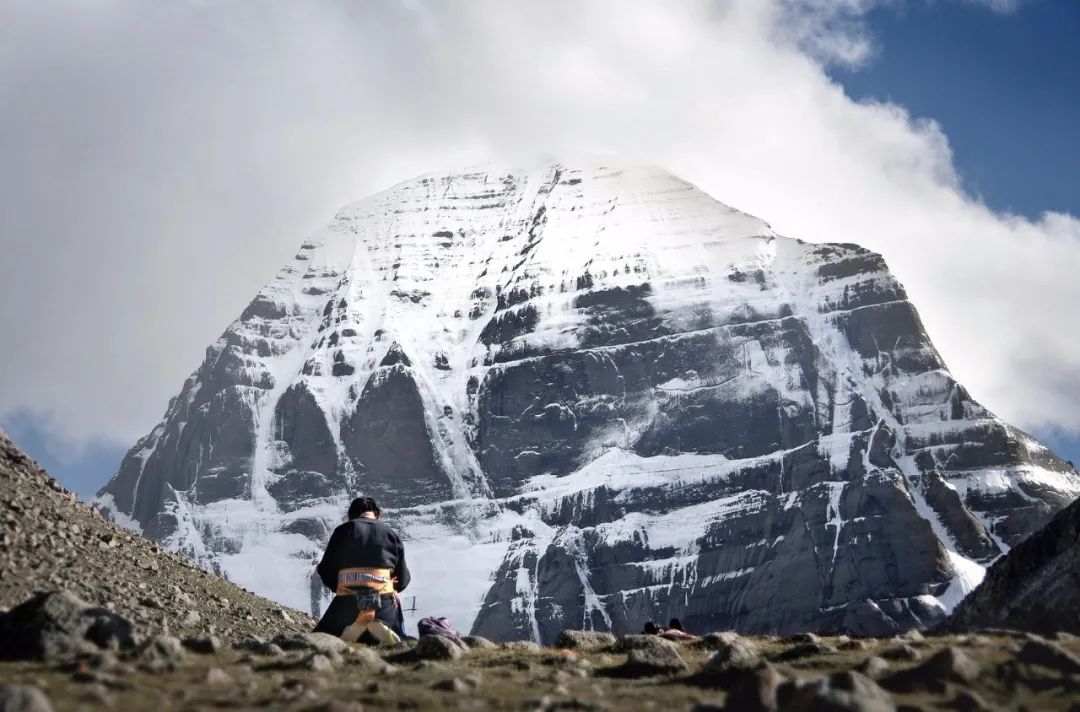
{"x":458,"y":684}
{"x":731,"y":658}
{"x":363,"y":656}
{"x":645,"y":662}
{"x":873,"y":667}
{"x":438,"y":647}
{"x":802,"y":638}
{"x":840,"y":692}
{"x":161,"y":653}
{"x":754,"y":689}
{"x":476,"y":642}
{"x":57,"y":625}
{"x":1049,"y":655}
{"x":584,"y":639}
{"x":902,"y":652}
{"x":205,"y":645}
{"x":640,"y":642}
{"x":323,"y":643}
{"x":714,"y":641}
{"x":315,"y":662}
{"x":968,"y":701}
{"x":949,"y":665}
{"x":23,"y":698}
{"x":216,"y":677}
{"x":803,"y":650}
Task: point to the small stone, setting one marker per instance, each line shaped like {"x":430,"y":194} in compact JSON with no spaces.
{"x":100,"y":660}
{"x":949,"y":665}
{"x":913,"y":635}
{"x":93,"y":676}
{"x":802,"y":638}
{"x":248,"y":643}
{"x":640,"y":642}
{"x":736,"y":654}
{"x":317,"y":662}
{"x":968,"y":701}
{"x":161,"y":653}
{"x":216,"y":677}
{"x":873,"y":667}
{"x":476,"y":642}
{"x":284,"y":615}
{"x":754,"y":690}
{"x":902,"y":652}
{"x":203,"y":645}
{"x":57,"y":626}
{"x":803,"y":650}
{"x":840,"y":692}
{"x":453,"y":684}
{"x":953,"y":664}
{"x":97,"y":694}
{"x":853,"y":644}
{"x":644,"y":662}
{"x":364,"y":657}
{"x":584,"y":639}
{"x":438,"y":647}
{"x":714,"y":641}
{"x":23,"y":698}
{"x":526,"y":646}
{"x":191,"y":618}
{"x":338,"y":706}
{"x":1048,"y":655}
{"x":269,"y":650}
{"x":319,"y":642}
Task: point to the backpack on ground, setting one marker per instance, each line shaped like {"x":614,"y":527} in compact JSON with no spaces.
{"x":437,"y":626}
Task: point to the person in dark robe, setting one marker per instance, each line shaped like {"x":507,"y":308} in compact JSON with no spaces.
{"x":364,"y":565}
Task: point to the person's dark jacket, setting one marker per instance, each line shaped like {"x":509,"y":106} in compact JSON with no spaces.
{"x":362,"y":543}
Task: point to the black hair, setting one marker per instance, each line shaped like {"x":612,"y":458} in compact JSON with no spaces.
{"x":360,"y":505}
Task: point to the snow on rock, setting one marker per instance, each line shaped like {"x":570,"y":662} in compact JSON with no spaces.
{"x":589,"y":396}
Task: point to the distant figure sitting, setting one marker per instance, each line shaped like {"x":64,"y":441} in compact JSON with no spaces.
{"x":364,"y":565}
{"x":674,"y":631}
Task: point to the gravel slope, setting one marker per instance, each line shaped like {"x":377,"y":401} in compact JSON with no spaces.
{"x":49,"y":540}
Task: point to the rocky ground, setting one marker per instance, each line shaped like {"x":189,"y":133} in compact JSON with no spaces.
{"x":588,"y":672}
{"x":92,"y":616}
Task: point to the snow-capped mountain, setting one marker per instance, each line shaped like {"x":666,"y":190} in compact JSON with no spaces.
{"x":589,"y":396}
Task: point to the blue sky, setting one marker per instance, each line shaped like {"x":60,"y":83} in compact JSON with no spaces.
{"x":133,"y":155}
{"x":1005,"y":88}
{"x":83,"y":468}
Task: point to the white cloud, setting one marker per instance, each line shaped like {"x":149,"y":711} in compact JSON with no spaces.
{"x":162,"y":161}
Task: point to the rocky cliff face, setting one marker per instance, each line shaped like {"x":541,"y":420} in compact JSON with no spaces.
{"x":1035,"y":587}
{"x":590,"y":396}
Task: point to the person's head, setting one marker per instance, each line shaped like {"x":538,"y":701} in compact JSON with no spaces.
{"x":363,"y":506}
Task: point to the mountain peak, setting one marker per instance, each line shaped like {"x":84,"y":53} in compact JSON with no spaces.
{"x":625,"y":400}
